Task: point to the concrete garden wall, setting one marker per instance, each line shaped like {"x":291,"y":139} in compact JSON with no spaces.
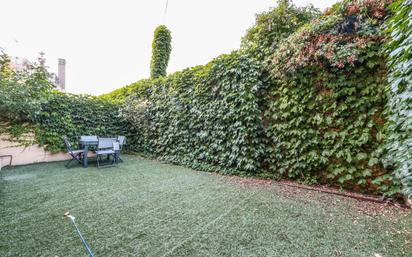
{"x":27,"y":155}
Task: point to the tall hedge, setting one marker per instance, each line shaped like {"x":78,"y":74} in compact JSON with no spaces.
{"x":399,"y":142}
{"x":161,"y":48}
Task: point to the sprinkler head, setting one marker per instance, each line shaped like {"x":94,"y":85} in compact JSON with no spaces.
{"x":67,"y":215}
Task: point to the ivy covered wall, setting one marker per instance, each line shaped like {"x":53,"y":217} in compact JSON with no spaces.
{"x":33,"y":112}
{"x":206,"y":117}
{"x":307,"y":104}
{"x":399,"y":47}
{"x":326,"y":113}
{"x":75,"y":115}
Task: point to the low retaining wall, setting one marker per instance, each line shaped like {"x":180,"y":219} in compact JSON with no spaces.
{"x":27,"y":155}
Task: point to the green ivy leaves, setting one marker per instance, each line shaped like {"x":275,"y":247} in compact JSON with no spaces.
{"x":309,"y":107}
{"x":399,"y":129}
{"x":75,"y":115}
{"x":204,"y":117}
{"x":326,"y":116}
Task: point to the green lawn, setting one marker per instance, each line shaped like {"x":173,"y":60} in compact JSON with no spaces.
{"x":145,"y":208}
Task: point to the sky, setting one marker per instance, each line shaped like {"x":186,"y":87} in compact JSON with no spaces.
{"x":107,"y":43}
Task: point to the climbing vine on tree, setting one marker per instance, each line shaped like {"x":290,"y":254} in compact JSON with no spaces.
{"x":161,"y":48}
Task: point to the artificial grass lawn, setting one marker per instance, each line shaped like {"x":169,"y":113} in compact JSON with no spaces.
{"x":145,"y":208}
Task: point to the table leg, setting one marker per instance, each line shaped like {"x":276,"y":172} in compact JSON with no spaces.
{"x":85,"y":152}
